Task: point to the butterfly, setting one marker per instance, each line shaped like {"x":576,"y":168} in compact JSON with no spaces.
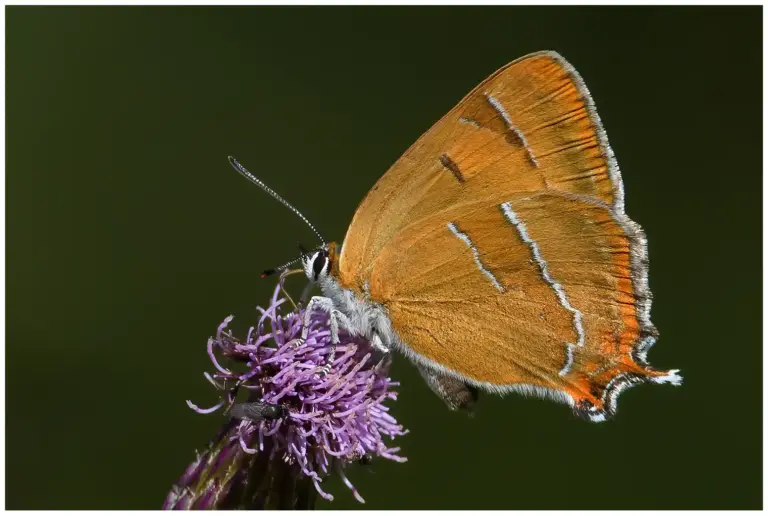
{"x":496,"y":253}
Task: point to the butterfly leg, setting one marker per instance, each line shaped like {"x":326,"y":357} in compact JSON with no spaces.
{"x":378,"y":345}
{"x":454,"y":392}
{"x":326,"y":305}
{"x":382,"y":350}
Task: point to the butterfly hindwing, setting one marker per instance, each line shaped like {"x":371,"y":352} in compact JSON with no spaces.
{"x":535,"y":291}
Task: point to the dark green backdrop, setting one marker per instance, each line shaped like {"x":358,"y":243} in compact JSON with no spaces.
{"x":129,"y":237}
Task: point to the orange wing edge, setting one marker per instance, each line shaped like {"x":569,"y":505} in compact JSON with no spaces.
{"x":639,"y":371}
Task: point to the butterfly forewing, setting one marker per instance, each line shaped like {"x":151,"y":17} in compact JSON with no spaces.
{"x":529,"y":126}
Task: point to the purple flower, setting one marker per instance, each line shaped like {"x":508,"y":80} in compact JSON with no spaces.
{"x":317,"y":425}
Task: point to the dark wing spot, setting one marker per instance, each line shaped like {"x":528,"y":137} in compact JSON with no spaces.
{"x":448,"y":163}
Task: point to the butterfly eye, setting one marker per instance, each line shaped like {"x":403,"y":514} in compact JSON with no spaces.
{"x":318,"y":264}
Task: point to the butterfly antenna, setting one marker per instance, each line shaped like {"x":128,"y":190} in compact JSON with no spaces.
{"x":270,"y":272}
{"x":255,"y":180}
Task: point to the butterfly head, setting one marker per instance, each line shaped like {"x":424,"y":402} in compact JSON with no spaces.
{"x":319,"y":263}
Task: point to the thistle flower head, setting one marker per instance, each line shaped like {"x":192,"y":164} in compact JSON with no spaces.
{"x":324,"y":422}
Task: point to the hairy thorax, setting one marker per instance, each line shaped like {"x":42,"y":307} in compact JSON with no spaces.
{"x":367,"y":318}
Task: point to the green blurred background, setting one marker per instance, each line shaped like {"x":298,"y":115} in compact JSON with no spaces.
{"x":129,"y":238}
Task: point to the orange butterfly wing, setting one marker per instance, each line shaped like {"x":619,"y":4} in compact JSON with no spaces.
{"x":499,"y":246}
